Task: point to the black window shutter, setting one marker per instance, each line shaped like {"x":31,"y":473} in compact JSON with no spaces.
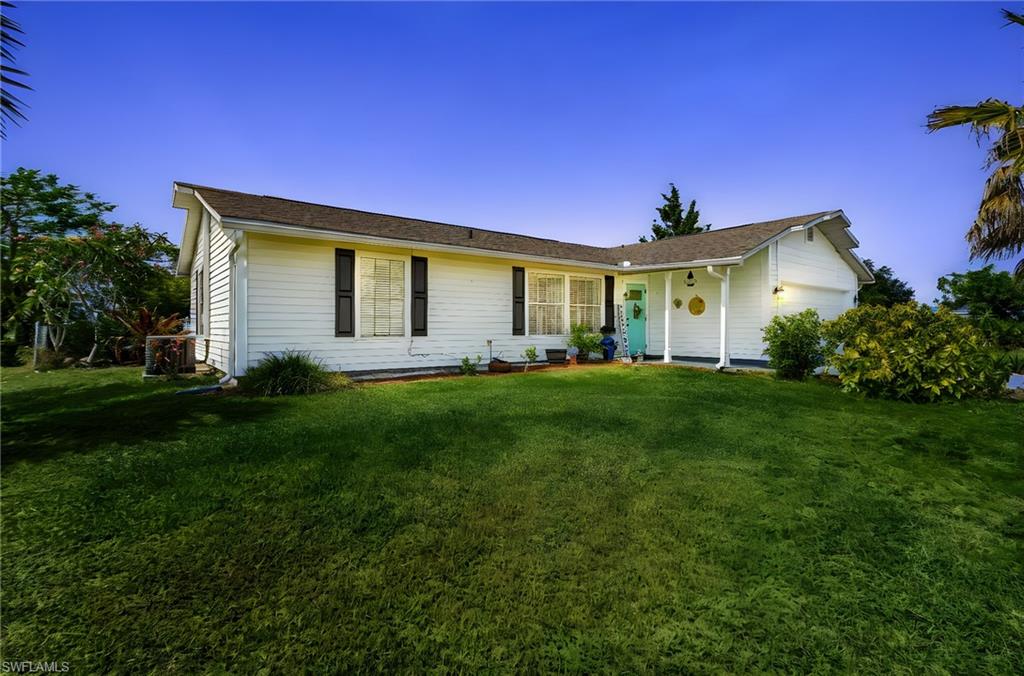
{"x":518,"y":302}
{"x":419,"y":296}
{"x":609,"y":300}
{"x":344,"y":292}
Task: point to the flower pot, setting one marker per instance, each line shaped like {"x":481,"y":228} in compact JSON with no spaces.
{"x":555,"y":356}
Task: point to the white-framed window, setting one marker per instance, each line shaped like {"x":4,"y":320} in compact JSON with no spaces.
{"x":382,"y":297}
{"x":585,"y":302}
{"x":545,"y":295}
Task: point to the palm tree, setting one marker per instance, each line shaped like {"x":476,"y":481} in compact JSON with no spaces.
{"x":10,"y":105}
{"x":998,"y":229}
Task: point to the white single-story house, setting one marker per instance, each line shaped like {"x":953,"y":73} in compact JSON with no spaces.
{"x":365,"y":291}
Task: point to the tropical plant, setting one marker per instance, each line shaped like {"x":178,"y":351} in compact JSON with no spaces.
{"x":468,"y":366}
{"x":887,"y":289}
{"x":1012,"y":361}
{"x":11,"y":107}
{"x":288,"y":373}
{"x":998,"y":229}
{"x":794,"y":346}
{"x":674,"y":221}
{"x":911,"y":353}
{"x":583,"y":339}
{"x":140,"y":324}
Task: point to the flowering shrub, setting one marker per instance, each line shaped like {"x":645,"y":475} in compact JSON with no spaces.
{"x":909,"y":352}
{"x":794,"y":344}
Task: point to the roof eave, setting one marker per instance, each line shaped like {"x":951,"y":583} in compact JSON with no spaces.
{"x":274,"y":228}
{"x":184,"y":197}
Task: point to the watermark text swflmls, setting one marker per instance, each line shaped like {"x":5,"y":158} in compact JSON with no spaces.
{"x":30,"y":667}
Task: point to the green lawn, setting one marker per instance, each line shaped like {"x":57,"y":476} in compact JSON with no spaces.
{"x":603,"y":519}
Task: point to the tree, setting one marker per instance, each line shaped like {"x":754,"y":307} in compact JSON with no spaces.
{"x":88,"y":276}
{"x":10,"y":105}
{"x":35,"y":206}
{"x":983,"y":293}
{"x":888,"y":290}
{"x":65,"y":264}
{"x":998,"y":229}
{"x":673,"y":220}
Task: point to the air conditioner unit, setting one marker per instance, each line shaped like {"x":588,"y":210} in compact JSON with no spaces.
{"x":170,"y":355}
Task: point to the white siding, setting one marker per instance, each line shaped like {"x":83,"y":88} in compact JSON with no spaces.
{"x":814,"y":276}
{"x":291,"y":306}
{"x":212,"y":254}
{"x":291,"y":303}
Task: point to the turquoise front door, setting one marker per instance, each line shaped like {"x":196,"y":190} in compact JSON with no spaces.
{"x":635,"y":309}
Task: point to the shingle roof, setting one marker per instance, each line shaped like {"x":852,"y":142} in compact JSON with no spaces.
{"x":721,"y":243}
{"x":715,"y":244}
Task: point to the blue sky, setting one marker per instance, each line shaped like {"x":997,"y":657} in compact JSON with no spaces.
{"x":558,"y":120}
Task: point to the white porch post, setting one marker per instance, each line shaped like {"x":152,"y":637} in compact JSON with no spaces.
{"x":667,"y":354}
{"x":723,"y":331}
{"x":723,"y":315}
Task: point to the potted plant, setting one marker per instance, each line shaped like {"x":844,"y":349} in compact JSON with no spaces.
{"x":584,"y":341}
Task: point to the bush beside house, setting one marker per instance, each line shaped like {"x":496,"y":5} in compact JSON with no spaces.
{"x":794,"y":344}
{"x":911,"y":353}
{"x":290,"y":373}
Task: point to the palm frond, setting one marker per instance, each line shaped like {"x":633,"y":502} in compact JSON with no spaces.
{"x":981,"y":118}
{"x":1012,"y":18}
{"x":11,"y":107}
{"x":998,"y":230}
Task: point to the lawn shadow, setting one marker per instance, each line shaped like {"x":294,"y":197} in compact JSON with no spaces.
{"x":54,"y":421}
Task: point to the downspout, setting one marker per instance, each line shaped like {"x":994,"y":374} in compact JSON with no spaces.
{"x":723,"y":314}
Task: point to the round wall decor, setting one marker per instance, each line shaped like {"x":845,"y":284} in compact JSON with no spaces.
{"x":678,"y":302}
{"x":697,"y":306}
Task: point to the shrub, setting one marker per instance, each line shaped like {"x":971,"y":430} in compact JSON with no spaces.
{"x":468,"y":366}
{"x":909,"y":352}
{"x":288,"y":373}
{"x":1005,"y":333}
{"x":583,"y":339}
{"x":530,"y":354}
{"x":794,"y":344}
{"x":1013,"y":361}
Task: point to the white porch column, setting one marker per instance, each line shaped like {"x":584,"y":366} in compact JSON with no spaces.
{"x":723,"y":315}
{"x":723,"y":331}
{"x":667,"y":354}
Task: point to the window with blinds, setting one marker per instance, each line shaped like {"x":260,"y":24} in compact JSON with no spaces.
{"x":381,"y":297}
{"x":546,"y":297}
{"x":585,"y":302}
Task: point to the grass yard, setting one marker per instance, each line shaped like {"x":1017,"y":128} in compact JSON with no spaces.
{"x":604,"y":519}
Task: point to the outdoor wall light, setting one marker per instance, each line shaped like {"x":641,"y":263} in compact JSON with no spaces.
{"x":779,"y":290}
{"x":690,"y":281}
